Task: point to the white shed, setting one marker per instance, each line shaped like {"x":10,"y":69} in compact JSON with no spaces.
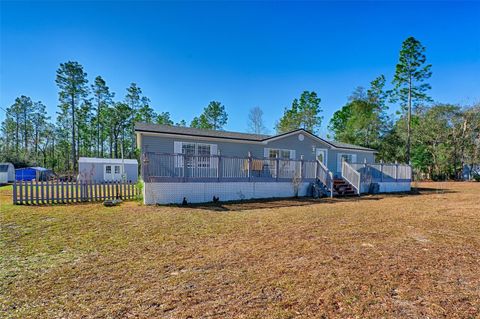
{"x":7,"y":173}
{"x":107,"y":169}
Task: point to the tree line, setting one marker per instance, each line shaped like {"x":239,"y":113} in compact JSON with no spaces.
{"x":90,"y":121}
{"x":436,"y":138}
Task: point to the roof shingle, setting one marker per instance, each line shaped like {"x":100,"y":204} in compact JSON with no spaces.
{"x":190,"y":131}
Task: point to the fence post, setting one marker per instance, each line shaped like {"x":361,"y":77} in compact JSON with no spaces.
{"x":184,"y":156}
{"x":302,"y":170}
{"x":36,"y":193}
{"x":142,"y":168}
{"x":20,"y":193}
{"x":32,"y":199}
{"x":381,"y":171}
{"x":277,"y":167}
{"x":396,"y":171}
{"x":219,"y":167}
{"x":15,"y":192}
{"x":42,"y":190}
{"x":365,"y":169}
{"x":331,"y":184}
{"x":249,"y":163}
{"x":48,"y":194}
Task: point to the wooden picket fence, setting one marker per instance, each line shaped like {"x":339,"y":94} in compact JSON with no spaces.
{"x":59,"y":192}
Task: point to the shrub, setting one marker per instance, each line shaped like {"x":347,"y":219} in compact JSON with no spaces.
{"x":140,"y":190}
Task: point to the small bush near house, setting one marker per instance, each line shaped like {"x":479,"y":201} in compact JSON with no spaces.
{"x":140,"y":185}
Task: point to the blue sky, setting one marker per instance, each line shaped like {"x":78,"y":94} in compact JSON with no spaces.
{"x":184,"y":55}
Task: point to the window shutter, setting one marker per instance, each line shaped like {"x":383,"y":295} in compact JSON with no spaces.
{"x":266,"y":152}
{"x":177,"y":149}
{"x":213,"y":149}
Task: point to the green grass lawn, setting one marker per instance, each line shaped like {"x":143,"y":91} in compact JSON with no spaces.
{"x":378,"y":256}
{"x":6,"y":187}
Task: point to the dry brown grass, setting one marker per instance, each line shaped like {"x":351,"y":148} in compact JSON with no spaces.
{"x":415,"y":256}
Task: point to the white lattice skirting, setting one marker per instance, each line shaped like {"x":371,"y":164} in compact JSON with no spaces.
{"x":169,"y":193}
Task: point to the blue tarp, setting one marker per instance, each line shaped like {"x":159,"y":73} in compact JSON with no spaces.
{"x":25,"y":174}
{"x":29,"y":173}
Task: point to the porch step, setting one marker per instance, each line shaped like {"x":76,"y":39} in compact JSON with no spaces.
{"x":342,"y":188}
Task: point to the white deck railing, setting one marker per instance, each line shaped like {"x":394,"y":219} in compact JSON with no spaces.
{"x":325,"y":176}
{"x":182,"y":168}
{"x":351,"y":175}
{"x":383,"y":172}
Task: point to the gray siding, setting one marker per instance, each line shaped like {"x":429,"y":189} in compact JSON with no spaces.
{"x":362,"y":156}
{"x":161,"y":144}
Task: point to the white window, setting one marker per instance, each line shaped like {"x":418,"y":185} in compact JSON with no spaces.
{"x":280,"y":153}
{"x":273,"y":153}
{"x":203,"y":149}
{"x":108,"y":169}
{"x":349,"y":158}
{"x":285,"y":166}
{"x":198,"y":154}
{"x":203,"y":152}
{"x":117,"y":169}
{"x":188,"y":149}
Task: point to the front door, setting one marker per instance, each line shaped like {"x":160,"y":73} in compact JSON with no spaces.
{"x":321,"y":155}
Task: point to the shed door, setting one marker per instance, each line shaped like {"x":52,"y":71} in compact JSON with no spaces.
{"x":117,"y":172}
{"x":112,"y":172}
{"x":108,"y":172}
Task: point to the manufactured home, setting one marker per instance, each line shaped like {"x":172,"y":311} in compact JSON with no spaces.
{"x":107,"y":169}
{"x":196,"y":164}
{"x":7,"y":173}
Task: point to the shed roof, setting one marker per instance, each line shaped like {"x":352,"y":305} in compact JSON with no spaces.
{"x":107,"y":160}
{"x":189,"y":131}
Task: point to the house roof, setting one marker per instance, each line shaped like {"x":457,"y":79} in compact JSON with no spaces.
{"x":106,"y":160}
{"x":182,"y":130}
{"x":189,"y":131}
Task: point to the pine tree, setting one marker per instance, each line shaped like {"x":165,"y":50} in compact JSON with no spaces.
{"x":409,"y":87}
{"x":304,"y":113}
{"x":103,"y":100}
{"x":72,"y":82}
